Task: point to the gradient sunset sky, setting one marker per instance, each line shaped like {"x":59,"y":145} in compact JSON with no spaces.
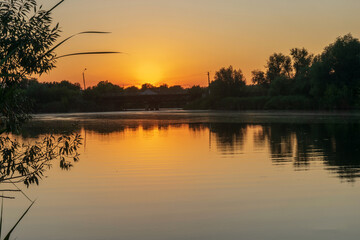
{"x":178,"y":42}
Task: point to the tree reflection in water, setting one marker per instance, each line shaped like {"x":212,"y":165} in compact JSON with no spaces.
{"x":335,"y":144}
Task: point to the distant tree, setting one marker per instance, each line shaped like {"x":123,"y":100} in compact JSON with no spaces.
{"x":228,"y":82}
{"x":302,"y":61}
{"x":278,"y":65}
{"x":107,"y":88}
{"x":259,"y":78}
{"x":342,"y":58}
{"x":131,"y":90}
{"x":330,"y":80}
{"x":195,"y":92}
{"x":68,"y":85}
{"x":53,"y":96}
{"x":280,"y":86}
{"x":146,"y":86}
{"x":338,"y":67}
{"x":176,"y":89}
{"x":164,"y":89}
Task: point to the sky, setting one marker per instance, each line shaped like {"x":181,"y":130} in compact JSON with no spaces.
{"x":178,"y":42}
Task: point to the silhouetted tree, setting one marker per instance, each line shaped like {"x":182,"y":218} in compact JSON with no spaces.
{"x":176,"y":89}
{"x":146,"y":86}
{"x":278,"y":65}
{"x":106,"y":88}
{"x":163,"y":89}
{"x":26,"y":37}
{"x":195,"y":92}
{"x":259,"y":78}
{"x":336,"y":74}
{"x":53,"y":97}
{"x":25,"y":49}
{"x":302,"y":61}
{"x":131,"y":90}
{"x":228,"y":82}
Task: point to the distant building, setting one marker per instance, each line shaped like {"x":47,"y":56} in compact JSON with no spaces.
{"x":148,"y":92}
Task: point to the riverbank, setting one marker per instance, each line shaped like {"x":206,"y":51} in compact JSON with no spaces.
{"x":206,"y":116}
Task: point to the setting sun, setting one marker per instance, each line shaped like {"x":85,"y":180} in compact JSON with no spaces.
{"x":149,"y":73}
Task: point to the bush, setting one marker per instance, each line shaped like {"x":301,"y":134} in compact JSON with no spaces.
{"x":200,"y":104}
{"x":297,"y":102}
{"x":241,"y":103}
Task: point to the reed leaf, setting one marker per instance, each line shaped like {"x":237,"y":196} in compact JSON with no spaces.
{"x":22,"y":216}
{"x":68,"y":38}
{"x":56,"y":5}
{"x":88,"y":53}
{"x":1,"y":215}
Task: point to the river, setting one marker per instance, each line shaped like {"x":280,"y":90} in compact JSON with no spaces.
{"x":197,"y":175}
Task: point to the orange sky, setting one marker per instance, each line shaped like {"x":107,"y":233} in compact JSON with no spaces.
{"x":178,"y":42}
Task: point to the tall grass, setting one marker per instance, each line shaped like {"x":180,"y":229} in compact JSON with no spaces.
{"x":8,"y":235}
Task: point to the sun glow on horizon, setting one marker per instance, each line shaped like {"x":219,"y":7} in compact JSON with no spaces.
{"x":149,"y":73}
{"x":168,"y":42}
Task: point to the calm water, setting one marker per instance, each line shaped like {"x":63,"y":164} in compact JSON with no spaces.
{"x":198,"y":175}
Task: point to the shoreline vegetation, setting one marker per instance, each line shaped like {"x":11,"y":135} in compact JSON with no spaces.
{"x":299,"y":81}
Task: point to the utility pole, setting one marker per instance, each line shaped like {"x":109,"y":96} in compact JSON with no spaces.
{"x":84,"y":79}
{"x":209,"y":82}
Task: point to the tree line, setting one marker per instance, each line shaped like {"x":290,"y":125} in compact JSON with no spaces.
{"x":300,"y":80}
{"x":64,"y":96}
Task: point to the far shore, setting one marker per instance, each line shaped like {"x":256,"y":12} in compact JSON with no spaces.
{"x":206,"y":116}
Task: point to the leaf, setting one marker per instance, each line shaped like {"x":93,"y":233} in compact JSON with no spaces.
{"x":68,"y":38}
{"x":56,"y":5}
{"x":88,"y":53}
{"x":7,"y":57}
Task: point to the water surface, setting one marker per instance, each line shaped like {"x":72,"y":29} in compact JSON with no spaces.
{"x":198,"y":175}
